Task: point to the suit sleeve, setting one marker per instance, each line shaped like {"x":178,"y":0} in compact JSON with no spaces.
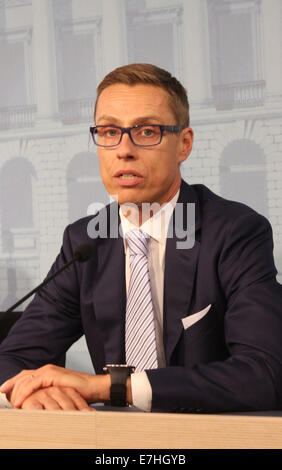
{"x":50,"y":323}
{"x":250,"y":378}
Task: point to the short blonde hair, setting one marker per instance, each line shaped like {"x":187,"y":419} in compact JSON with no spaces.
{"x":134,"y":74}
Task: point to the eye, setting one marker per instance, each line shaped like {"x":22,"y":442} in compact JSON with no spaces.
{"x":106,"y":131}
{"x":111,"y":132}
{"x":148,"y":131}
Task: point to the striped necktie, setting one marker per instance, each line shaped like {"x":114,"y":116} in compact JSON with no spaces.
{"x":140,"y":339}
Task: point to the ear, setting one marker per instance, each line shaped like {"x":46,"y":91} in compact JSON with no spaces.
{"x":186,"y":143}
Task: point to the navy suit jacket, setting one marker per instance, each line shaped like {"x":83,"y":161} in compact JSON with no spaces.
{"x":230,"y":360}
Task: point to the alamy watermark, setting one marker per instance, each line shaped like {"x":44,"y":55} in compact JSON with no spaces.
{"x":105,"y":222}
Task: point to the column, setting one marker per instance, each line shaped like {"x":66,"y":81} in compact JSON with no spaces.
{"x":44,"y":63}
{"x":2,"y":15}
{"x":113,"y":34}
{"x":196,"y":61}
{"x":272,"y":35}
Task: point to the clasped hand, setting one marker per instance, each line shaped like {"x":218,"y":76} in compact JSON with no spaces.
{"x":53,"y":387}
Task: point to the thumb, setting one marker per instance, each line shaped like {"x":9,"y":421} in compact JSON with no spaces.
{"x":7,"y":386}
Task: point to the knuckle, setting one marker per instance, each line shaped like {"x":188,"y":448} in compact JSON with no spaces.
{"x":69,"y":389}
{"x":46,"y":369}
{"x":52,"y":390}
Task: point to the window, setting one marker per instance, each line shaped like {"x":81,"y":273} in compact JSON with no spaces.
{"x":12,"y":77}
{"x":235,"y":36}
{"x":78,"y":63}
{"x":154,"y":36}
{"x":84,"y":185}
{"x":16,"y":97}
{"x":16,"y":203}
{"x":243,"y":174}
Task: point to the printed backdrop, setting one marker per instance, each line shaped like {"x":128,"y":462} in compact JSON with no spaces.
{"x":227,"y":53}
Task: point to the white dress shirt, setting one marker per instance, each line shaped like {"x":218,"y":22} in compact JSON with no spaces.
{"x":4,"y":403}
{"x":156,"y":227}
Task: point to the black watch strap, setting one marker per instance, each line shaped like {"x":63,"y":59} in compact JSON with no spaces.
{"x":119,"y":374}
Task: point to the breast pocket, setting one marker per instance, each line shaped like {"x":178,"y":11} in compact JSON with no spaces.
{"x":194,"y":318}
{"x":204,"y":339}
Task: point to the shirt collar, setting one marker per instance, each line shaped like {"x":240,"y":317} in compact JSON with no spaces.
{"x":156,"y":226}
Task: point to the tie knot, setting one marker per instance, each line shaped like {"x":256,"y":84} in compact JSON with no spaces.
{"x":137,"y":242}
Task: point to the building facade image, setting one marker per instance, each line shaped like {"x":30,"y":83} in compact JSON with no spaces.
{"x":53,"y":53}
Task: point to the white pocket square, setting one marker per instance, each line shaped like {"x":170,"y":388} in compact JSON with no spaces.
{"x":191,"y":319}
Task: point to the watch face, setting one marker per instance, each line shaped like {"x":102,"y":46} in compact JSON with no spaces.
{"x":118,"y":366}
{"x":113,"y":366}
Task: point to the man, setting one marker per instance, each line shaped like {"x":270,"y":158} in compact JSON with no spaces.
{"x":214,"y":341}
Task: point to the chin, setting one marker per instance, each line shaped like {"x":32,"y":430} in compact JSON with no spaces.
{"x":127,"y":197}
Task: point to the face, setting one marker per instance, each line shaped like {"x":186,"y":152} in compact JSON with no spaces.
{"x":156,"y":169}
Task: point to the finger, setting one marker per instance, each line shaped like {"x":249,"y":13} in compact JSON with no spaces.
{"x":69,"y":399}
{"x":43,"y":377}
{"x":22,"y":389}
{"x":7,"y":386}
{"x":78,"y":400}
{"x":18,"y":386}
{"x":50,"y":404}
{"x":26,"y":387}
{"x":32,"y":404}
{"x":41,"y":400}
{"x":62,"y":397}
{"x":47,"y":401}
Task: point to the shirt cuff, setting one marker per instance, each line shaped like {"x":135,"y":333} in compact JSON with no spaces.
{"x":4,"y":402}
{"x":141,"y":391}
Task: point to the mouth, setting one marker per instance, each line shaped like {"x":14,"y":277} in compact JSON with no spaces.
{"x":128,"y":177}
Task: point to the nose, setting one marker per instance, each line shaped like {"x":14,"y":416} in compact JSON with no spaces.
{"x":126,"y":148}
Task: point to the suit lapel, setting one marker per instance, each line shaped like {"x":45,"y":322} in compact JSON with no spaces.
{"x":180,"y":270}
{"x":109,"y":294}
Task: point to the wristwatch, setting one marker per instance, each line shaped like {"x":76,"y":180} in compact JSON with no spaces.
{"x":119,"y":374}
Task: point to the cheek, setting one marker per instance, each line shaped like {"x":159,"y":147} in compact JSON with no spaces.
{"x":104,"y":164}
{"x":104,"y":174}
{"x":164,"y":167}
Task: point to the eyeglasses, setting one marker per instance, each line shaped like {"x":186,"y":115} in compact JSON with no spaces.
{"x":145,"y":135}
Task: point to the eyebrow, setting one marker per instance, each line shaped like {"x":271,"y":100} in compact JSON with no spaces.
{"x":140,"y":120}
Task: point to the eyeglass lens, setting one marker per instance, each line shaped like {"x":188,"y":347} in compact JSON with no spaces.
{"x":142,"y":135}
